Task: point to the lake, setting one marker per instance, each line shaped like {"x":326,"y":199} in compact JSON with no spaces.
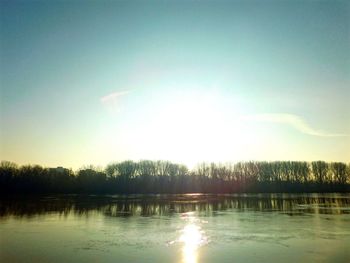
{"x":176,"y":228}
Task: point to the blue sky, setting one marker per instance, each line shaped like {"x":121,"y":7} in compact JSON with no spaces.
{"x":93,"y":82}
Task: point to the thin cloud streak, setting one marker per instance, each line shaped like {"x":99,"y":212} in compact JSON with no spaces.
{"x":292,"y":120}
{"x":112,"y":97}
{"x":114,"y":101}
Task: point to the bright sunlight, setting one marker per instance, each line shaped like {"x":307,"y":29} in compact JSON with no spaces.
{"x":192,"y":128}
{"x":192,"y":238}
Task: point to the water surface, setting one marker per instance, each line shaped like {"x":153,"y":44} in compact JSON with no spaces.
{"x":176,"y":228}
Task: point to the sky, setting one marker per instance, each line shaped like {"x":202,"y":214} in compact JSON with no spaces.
{"x":94,"y":82}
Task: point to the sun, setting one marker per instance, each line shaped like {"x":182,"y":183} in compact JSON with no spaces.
{"x":193,"y":128}
{"x":185,"y":127}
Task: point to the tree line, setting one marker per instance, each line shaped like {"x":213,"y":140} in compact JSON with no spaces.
{"x":147,"y":176}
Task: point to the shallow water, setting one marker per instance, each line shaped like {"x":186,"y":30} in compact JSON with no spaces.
{"x":176,"y":228}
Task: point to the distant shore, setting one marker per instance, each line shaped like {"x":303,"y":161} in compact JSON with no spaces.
{"x":164,"y":177}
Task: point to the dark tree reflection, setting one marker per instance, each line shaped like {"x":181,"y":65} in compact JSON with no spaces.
{"x":169,"y":205}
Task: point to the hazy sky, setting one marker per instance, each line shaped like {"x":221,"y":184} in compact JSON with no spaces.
{"x":188,"y":81}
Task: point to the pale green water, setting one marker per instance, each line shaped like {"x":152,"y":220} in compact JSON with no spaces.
{"x":181,"y":228}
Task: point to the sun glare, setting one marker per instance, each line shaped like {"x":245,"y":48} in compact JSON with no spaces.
{"x":192,"y":237}
{"x":193,"y":128}
{"x":186,"y":127}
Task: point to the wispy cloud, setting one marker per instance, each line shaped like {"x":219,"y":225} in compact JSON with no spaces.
{"x":113,"y":101}
{"x":113,"y":97}
{"x":292,"y":120}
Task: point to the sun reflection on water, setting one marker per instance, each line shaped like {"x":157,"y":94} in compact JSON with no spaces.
{"x":192,"y":237}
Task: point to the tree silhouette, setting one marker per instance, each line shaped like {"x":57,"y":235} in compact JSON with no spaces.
{"x":148,"y":176}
